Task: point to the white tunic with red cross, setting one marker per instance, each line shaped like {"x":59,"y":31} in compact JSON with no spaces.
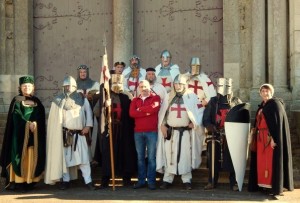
{"x":166,"y":75}
{"x":178,"y":116}
{"x":203,"y":87}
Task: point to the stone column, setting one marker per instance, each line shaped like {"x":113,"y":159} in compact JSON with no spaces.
{"x":23,"y":36}
{"x":258,"y":43}
{"x":232,"y":45}
{"x":277,"y":35}
{"x":17,"y":59}
{"x":122,"y":30}
{"x":277,"y":48}
{"x":2,"y":36}
{"x":258,"y":49}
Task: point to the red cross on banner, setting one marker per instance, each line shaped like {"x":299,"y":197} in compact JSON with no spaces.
{"x":195,"y":87}
{"x":178,"y":109}
{"x":117,"y":109}
{"x":164,"y":82}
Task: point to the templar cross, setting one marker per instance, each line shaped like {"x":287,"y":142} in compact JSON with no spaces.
{"x":164,"y":82}
{"x":209,"y":83}
{"x":117,"y":109}
{"x":131,"y":83}
{"x":196,"y":87}
{"x":178,"y":109}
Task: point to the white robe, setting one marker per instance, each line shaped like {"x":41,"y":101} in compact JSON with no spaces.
{"x":174,"y":71}
{"x":162,"y":93}
{"x":58,"y":158}
{"x":190,"y":161}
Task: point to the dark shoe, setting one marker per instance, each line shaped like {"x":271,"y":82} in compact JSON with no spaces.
{"x":165,"y":185}
{"x":188,"y":186}
{"x":11,"y":186}
{"x":209,"y":186}
{"x":91,"y":186}
{"x":104,"y":185}
{"x":151,"y":186}
{"x":64,"y":185}
{"x":138,"y":185}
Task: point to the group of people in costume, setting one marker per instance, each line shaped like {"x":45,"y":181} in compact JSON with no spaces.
{"x":159,"y":120}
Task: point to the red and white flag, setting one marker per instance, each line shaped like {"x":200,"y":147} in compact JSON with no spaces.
{"x":105,"y":75}
{"x":104,"y":78}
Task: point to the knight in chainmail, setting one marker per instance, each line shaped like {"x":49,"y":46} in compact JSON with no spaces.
{"x":70,"y":119}
{"x":133,"y":74}
{"x":182,"y":146}
{"x":166,"y":71}
{"x":86,"y":85}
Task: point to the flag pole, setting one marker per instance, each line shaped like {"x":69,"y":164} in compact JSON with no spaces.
{"x":106,"y":86}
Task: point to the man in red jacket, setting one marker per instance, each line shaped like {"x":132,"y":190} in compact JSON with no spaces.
{"x":144,"y":109}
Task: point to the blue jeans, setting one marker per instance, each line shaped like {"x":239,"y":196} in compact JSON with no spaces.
{"x":143,"y":140}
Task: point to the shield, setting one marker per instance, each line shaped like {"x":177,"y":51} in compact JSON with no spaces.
{"x":237,"y":128}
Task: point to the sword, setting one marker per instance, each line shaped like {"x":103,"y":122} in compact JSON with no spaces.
{"x":213,"y":142}
{"x":213,"y":139}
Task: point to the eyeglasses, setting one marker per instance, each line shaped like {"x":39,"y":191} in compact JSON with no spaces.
{"x":120,"y":63}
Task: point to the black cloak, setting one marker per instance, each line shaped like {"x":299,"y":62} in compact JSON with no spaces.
{"x":14,"y":114}
{"x":125,"y":161}
{"x":282,"y":165}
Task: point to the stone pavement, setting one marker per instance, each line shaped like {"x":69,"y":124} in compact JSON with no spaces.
{"x":79,"y":193}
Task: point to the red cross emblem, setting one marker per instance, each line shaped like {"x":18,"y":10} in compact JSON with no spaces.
{"x":209,"y":83}
{"x":164,"y":82}
{"x":117,"y":109}
{"x":196,"y":87}
{"x":178,"y":109}
{"x":220,"y":118}
{"x":131,"y":83}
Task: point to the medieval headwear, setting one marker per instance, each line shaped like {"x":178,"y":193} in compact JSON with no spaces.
{"x":182,"y":80}
{"x":85,"y":67}
{"x":69,"y":81}
{"x":150,"y":69}
{"x":119,"y":63}
{"x":267,"y":86}
{"x":135,"y":65}
{"x":26,"y":79}
{"x":165,"y":54}
{"x":195,"y":66}
{"x":224,"y":86}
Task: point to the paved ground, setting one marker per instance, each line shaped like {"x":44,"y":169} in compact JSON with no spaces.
{"x":78,"y":193}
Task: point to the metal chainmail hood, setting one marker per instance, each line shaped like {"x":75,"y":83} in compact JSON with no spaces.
{"x":70,"y":102}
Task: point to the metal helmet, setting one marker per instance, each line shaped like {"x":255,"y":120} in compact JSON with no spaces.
{"x":195,"y":66}
{"x":135,"y":57}
{"x":117,"y":83}
{"x":165,"y":54}
{"x":224,"y":86}
{"x":69,"y":81}
{"x":182,"y":80}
